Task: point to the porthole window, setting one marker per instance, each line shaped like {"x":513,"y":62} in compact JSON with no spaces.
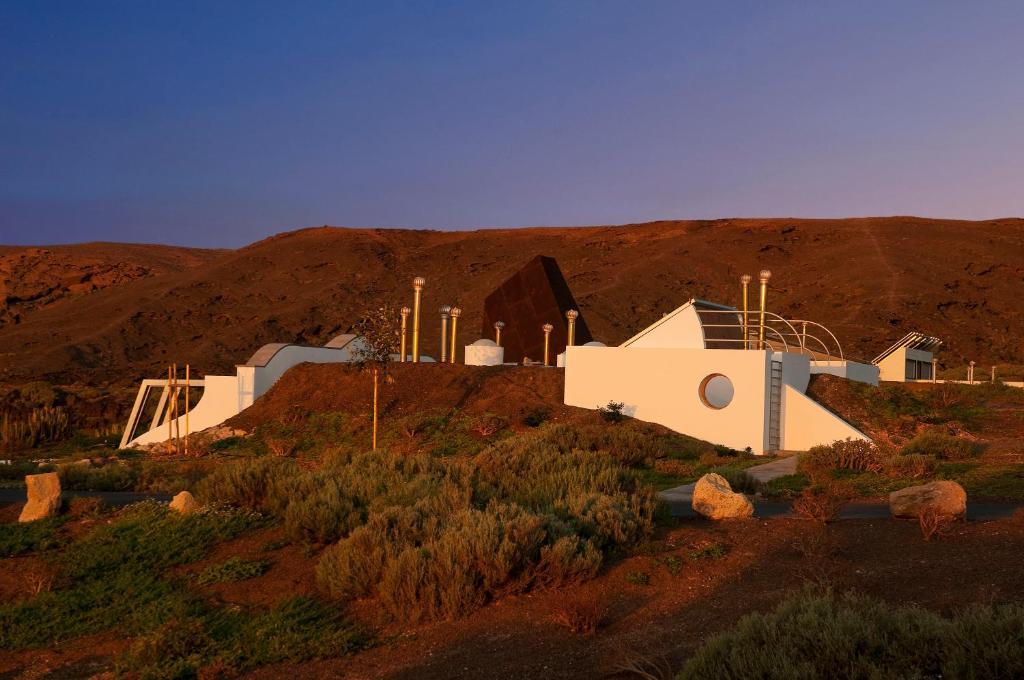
{"x":716,"y":391}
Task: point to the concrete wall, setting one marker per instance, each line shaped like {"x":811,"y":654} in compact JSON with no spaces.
{"x":806,"y":423}
{"x":894,"y":367}
{"x":851,"y":370}
{"x":254,"y":381}
{"x":218,"y":403}
{"x":680,"y":328}
{"x":661,"y":385}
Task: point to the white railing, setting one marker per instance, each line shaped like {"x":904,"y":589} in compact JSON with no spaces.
{"x":775,"y":329}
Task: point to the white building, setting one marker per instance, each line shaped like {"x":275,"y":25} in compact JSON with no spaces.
{"x":702,"y":371}
{"x":224,"y":396}
{"x":910,"y":358}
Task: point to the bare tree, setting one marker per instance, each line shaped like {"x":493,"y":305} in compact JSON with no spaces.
{"x":379,"y":336}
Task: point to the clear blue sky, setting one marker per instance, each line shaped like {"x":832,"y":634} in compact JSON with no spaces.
{"x":215,"y":123}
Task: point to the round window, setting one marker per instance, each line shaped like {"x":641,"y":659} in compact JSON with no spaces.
{"x":716,"y":391}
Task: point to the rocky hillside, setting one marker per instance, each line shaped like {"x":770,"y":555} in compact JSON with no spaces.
{"x":870,"y":280}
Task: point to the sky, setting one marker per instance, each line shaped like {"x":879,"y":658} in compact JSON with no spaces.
{"x":217,"y":123}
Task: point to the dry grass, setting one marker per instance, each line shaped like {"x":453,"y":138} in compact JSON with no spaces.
{"x":581,"y":612}
{"x":934,"y":524}
{"x":820,"y":502}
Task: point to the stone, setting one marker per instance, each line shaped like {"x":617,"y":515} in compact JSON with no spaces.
{"x":43,"y":497}
{"x":943,"y":498}
{"x":184,"y":502}
{"x":715,"y":499}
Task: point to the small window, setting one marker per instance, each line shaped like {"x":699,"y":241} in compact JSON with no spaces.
{"x":716,"y":391}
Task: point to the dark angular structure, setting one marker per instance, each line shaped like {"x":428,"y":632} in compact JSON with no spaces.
{"x":535,"y":295}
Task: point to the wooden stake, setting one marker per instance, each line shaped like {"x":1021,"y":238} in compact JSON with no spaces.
{"x":376,"y":372}
{"x":186,"y":407}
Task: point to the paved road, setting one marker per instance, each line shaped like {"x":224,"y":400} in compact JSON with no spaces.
{"x":680,"y":499}
{"x":108,"y":497}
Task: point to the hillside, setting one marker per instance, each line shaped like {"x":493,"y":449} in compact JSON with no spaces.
{"x":33,"y":277}
{"x":870,"y":280}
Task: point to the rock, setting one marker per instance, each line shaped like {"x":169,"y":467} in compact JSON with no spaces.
{"x":715,"y":499}
{"x":184,"y":503}
{"x":944,"y":498}
{"x":43,"y":497}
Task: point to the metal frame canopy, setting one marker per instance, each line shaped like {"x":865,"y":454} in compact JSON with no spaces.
{"x":912,"y":340}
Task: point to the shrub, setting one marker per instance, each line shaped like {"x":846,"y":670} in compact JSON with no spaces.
{"x":820,"y":502}
{"x":322,"y":515}
{"x":535,"y":416}
{"x":933,"y":524}
{"x":487,"y":424}
{"x":85,"y":507}
{"x":711,"y":551}
{"x":22,"y":537}
{"x":232,"y":570}
{"x":249,"y":484}
{"x":741,"y":481}
{"x":942,"y":446}
{"x":612,"y":413}
{"x":913,"y":465}
{"x":582,"y":613}
{"x":816,"y":635}
{"x":638,"y":578}
{"x":109,"y":477}
{"x":857,"y":455}
{"x":673,"y":467}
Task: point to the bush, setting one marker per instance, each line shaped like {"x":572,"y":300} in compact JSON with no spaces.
{"x":232,"y":570}
{"x":740,"y":480}
{"x":816,"y":635}
{"x":857,"y":455}
{"x":582,"y":613}
{"x":913,"y":465}
{"x":322,"y":515}
{"x":536,"y":416}
{"x":942,"y":446}
{"x":22,"y":537}
{"x":249,"y":484}
{"x":612,"y":413}
{"x":820,"y":502}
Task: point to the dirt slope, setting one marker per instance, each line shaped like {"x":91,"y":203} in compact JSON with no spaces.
{"x":870,"y":280}
{"x":35,"y":277}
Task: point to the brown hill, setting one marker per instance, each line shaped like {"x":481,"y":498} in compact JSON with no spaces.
{"x":870,"y":280}
{"x":35,"y":277}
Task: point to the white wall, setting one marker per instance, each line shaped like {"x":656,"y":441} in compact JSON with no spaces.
{"x":851,"y":370}
{"x":660,"y":385}
{"x":254,"y":381}
{"x":680,"y":328}
{"x":894,"y":366}
{"x":218,"y":403}
{"x":806,"y":423}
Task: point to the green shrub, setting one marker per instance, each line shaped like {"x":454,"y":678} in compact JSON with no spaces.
{"x":851,"y":454}
{"x":294,"y":630}
{"x":112,"y":576}
{"x":612,"y":413}
{"x":87,"y":477}
{"x":323,"y":515}
{"x":16,"y":470}
{"x":535,"y":416}
{"x":741,"y":481}
{"x":232,"y":570}
{"x":819,"y":635}
{"x":249,"y":484}
{"x":942,"y":446}
{"x":638,"y":578}
{"x":22,"y":537}
{"x":711,"y":551}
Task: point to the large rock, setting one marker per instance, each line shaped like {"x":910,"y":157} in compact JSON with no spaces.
{"x":715,"y":499}
{"x":943,"y":498}
{"x":184,"y":503}
{"x":43,"y":497}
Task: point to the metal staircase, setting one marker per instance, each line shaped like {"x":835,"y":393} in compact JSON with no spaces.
{"x":775,"y":407}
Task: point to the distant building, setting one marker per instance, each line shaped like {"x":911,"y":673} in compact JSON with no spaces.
{"x":911,"y":358}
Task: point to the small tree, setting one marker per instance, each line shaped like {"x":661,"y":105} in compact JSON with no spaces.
{"x":378,"y":340}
